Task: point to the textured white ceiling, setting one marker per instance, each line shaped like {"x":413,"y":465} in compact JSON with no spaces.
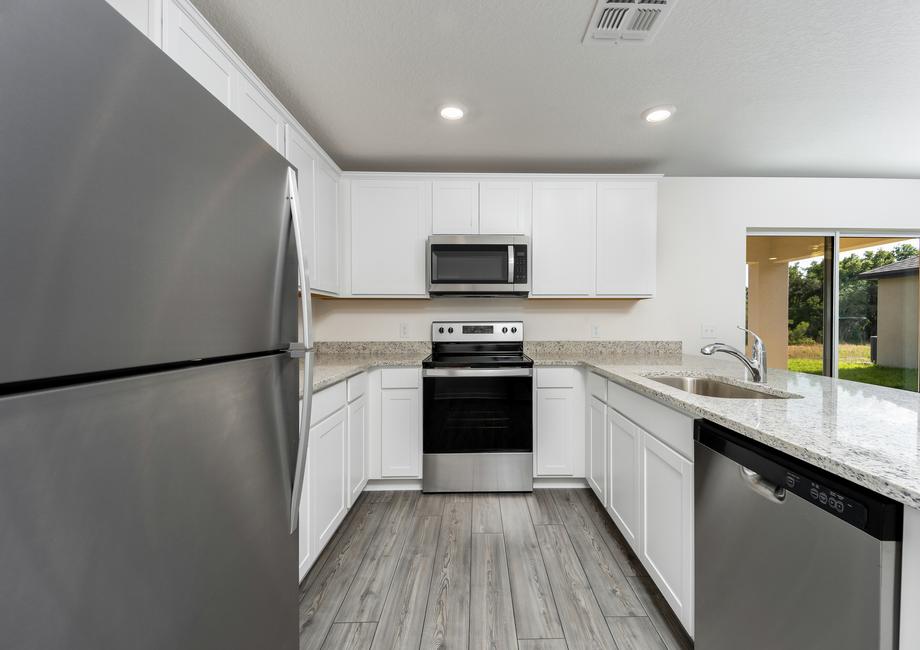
{"x":770,"y":87}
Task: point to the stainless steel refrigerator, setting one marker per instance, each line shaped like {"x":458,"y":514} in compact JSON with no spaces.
{"x":152,"y":442}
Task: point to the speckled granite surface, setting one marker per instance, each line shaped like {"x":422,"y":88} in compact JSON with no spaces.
{"x":330,"y":369}
{"x":867,"y":434}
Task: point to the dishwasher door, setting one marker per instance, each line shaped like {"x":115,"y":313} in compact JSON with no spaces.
{"x":775,"y":570}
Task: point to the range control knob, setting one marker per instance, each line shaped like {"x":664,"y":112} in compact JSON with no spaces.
{"x":440,"y":330}
{"x":450,"y":330}
{"x":504,"y":330}
{"x":513,"y":330}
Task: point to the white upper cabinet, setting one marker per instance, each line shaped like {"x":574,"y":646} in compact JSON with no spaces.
{"x":143,"y":14}
{"x":390,"y":224}
{"x":505,"y":207}
{"x":194,"y":50}
{"x":627,"y":227}
{"x":317,"y":184}
{"x":326,"y":219}
{"x":563,"y":238}
{"x":455,"y":207}
{"x":259,"y":112}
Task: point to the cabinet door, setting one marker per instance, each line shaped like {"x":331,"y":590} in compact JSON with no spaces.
{"x":554,"y":431}
{"x":390,"y":224}
{"x":623,"y":442}
{"x":301,"y":155}
{"x":189,"y":46}
{"x":143,"y":14}
{"x":597,"y":447}
{"x":259,"y":112}
{"x":455,"y":207}
{"x":563,"y":239}
{"x":400,"y":442}
{"x":505,"y":207}
{"x":326,"y":223}
{"x":627,"y":232}
{"x":305,"y":554}
{"x":357,"y":448}
{"x":667,"y":524}
{"x":328,"y":492}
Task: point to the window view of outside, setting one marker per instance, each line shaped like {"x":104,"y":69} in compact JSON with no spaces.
{"x":789,"y":304}
{"x":879,"y":312}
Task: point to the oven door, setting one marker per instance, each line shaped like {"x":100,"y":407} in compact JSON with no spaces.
{"x":461,"y":264}
{"x":474,"y":411}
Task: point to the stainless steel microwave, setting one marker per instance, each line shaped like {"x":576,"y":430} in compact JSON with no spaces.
{"x":478,"y":264}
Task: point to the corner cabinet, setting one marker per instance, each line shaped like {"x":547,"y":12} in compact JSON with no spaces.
{"x":390,"y":224}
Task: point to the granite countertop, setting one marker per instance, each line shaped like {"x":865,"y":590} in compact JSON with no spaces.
{"x":867,"y":434}
{"x":331,"y":368}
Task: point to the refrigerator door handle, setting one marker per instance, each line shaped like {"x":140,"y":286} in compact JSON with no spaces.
{"x":301,"y":349}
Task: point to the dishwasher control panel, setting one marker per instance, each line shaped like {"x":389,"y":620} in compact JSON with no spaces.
{"x":839,"y":505}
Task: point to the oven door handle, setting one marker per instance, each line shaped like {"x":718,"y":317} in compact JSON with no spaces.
{"x":477,"y":372}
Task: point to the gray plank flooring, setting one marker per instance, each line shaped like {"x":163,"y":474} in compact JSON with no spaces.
{"x":542,"y":571}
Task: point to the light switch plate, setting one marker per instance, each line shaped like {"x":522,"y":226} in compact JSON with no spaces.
{"x":404,"y":330}
{"x":595,"y":331}
{"x":708,"y":332}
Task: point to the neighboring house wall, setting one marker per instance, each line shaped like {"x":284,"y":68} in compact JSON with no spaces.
{"x":898,"y":333}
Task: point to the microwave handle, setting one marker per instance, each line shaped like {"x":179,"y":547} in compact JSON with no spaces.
{"x":510,"y":264}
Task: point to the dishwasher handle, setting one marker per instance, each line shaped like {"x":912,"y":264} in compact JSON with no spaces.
{"x":763,"y":487}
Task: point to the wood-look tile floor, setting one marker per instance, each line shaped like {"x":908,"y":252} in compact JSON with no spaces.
{"x":541,"y":571}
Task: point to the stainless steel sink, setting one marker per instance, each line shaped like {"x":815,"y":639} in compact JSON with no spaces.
{"x":708,"y":387}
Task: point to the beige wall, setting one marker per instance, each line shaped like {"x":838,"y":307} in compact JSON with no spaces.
{"x":702,"y":231}
{"x":897,"y":321}
{"x":768,"y":307}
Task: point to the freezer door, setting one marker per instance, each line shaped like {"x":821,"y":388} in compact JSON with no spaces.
{"x":142,"y":221}
{"x":151,"y":512}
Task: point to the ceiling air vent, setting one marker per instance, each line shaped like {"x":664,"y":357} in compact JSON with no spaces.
{"x":627,"y":21}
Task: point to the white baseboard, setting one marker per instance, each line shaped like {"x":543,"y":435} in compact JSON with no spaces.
{"x":404,"y":484}
{"x":560,"y":483}
{"x":394,"y":484}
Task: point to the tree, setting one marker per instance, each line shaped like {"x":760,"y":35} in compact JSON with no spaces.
{"x":858,"y":297}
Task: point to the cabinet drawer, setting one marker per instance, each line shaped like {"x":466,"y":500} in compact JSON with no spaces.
{"x":670,"y":426}
{"x":597,"y":386}
{"x":357,"y":386}
{"x":327,"y":401}
{"x":399,"y":378}
{"x":556,"y":377}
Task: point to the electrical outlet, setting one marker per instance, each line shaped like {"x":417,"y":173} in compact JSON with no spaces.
{"x":595,"y":331}
{"x":404,"y":330}
{"x":708,"y":332}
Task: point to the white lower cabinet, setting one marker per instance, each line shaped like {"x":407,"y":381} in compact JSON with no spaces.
{"x":357,"y":448}
{"x":667,"y":524}
{"x":327,"y":490}
{"x":596,"y":462}
{"x":400,"y":423}
{"x":649,"y":478}
{"x":555,"y":431}
{"x":623,"y":444}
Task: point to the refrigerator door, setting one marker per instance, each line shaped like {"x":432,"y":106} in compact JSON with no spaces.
{"x":151,"y":512}
{"x":143,"y":222}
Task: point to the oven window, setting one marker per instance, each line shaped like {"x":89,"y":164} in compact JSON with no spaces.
{"x":478,"y":414}
{"x":465,"y":264}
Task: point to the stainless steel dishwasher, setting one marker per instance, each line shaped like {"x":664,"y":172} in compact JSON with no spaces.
{"x":789,"y":556}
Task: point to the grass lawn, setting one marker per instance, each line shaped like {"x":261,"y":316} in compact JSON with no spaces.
{"x":855,"y":365}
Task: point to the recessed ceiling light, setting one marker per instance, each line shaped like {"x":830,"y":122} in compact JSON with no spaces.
{"x":658,"y":113}
{"x":452,"y":113}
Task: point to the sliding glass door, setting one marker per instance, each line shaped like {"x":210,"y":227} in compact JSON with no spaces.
{"x":837,"y":304}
